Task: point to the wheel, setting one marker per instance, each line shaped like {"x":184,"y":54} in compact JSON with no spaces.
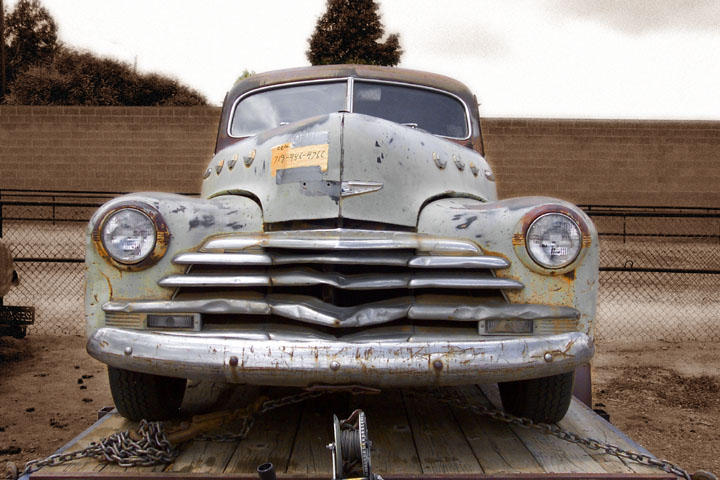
{"x":140,"y":396}
{"x":543,"y":400}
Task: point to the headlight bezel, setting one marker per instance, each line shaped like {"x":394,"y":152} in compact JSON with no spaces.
{"x":520,"y":238}
{"x":162,"y":235}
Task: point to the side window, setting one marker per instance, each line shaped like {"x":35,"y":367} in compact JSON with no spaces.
{"x":433,"y":111}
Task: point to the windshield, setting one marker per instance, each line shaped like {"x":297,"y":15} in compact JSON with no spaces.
{"x":271,"y":108}
{"x":433,"y":111}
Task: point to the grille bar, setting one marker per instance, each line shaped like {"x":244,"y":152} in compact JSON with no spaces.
{"x":342,"y":239}
{"x":341,"y":258}
{"x":369,"y":281}
{"x":315,"y":311}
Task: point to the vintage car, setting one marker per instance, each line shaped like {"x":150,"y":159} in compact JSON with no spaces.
{"x":348,"y":233}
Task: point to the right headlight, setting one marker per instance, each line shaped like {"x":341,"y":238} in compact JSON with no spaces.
{"x":553,"y":240}
{"x":131,"y":235}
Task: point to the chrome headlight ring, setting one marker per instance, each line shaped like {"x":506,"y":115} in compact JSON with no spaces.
{"x":131,"y":235}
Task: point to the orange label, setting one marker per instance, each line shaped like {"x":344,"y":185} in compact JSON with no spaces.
{"x":285,"y":156}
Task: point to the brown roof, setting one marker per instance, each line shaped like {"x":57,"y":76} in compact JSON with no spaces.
{"x":357,"y":71}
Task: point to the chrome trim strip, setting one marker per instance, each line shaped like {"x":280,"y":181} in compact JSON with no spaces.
{"x":250,"y":259}
{"x":344,"y":239}
{"x":365,"y":281}
{"x":342,"y":258}
{"x":301,"y":362}
{"x":314,"y":311}
{"x":481,"y":261}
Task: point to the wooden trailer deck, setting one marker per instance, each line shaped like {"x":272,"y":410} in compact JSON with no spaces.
{"x":413,"y":433}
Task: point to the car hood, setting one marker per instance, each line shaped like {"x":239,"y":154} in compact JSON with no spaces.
{"x":347,"y":165}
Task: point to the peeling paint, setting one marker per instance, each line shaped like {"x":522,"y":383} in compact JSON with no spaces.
{"x":203,"y":221}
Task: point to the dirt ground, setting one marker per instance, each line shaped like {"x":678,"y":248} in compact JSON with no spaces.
{"x":665,"y":396}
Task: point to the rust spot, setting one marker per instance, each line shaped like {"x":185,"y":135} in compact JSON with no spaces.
{"x":109,"y":284}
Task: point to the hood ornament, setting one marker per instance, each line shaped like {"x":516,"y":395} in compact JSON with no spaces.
{"x":355,"y":187}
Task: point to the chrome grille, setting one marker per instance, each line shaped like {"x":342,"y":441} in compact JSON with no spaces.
{"x":343,"y":278}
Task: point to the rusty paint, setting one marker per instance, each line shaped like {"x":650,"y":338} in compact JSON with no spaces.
{"x":109,"y":284}
{"x":459,"y":164}
{"x":474,"y":169}
{"x":232,"y":162}
{"x":248,"y":160}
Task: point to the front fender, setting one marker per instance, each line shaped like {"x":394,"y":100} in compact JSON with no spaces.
{"x":497,"y":227}
{"x":189,"y":221}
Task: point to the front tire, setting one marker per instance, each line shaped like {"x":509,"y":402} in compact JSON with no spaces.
{"x":140,"y":396}
{"x":543,"y":400}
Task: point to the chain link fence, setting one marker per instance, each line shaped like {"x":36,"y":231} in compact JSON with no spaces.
{"x":659,"y":267}
{"x":45,"y":232}
{"x":659,"y":273}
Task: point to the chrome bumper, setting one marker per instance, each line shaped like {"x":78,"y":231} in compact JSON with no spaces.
{"x":307,"y":362}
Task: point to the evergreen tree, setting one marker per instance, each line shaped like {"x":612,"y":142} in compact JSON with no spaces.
{"x":350,"y":31}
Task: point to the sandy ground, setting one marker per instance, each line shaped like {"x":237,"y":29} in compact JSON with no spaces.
{"x":665,"y":396}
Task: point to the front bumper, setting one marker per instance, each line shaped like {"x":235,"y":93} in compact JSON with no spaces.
{"x":221,"y":357}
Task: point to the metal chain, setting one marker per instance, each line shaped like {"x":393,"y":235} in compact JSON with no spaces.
{"x":153,"y":447}
{"x":120,"y":448}
{"x":568,"y":436}
{"x":241,"y":429}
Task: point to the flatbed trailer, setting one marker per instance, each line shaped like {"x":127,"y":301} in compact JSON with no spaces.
{"x":414,"y":435}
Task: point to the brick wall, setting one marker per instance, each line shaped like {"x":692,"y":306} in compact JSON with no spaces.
{"x":115,"y":149}
{"x":607,"y":162}
{"x":614,"y":162}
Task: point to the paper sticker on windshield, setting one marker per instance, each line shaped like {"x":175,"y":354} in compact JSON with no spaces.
{"x":286,"y":156}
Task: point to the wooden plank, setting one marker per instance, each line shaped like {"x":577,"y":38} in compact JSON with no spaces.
{"x":553,"y":454}
{"x":309,"y":455}
{"x":114,"y":423}
{"x":203,"y":457}
{"x":269,"y":440}
{"x":495,"y":445}
{"x":393,"y":450}
{"x":582,"y":420}
{"x":441,"y":445}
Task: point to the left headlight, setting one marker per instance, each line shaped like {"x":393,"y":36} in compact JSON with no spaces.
{"x":553,"y":240}
{"x":128,"y":235}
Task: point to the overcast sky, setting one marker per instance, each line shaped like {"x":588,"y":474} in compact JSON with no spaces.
{"x":656,"y":59}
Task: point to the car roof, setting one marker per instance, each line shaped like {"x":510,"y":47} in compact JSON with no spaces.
{"x":373,"y":72}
